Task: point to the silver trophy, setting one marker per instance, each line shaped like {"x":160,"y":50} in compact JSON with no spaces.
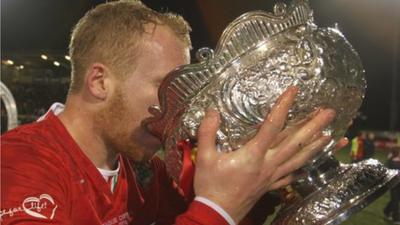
{"x":258,"y":57}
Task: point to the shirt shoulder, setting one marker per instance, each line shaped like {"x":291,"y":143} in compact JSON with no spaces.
{"x":33,"y":174}
{"x":32,"y":142}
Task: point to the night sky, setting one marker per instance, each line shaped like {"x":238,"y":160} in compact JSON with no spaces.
{"x":371,"y":26}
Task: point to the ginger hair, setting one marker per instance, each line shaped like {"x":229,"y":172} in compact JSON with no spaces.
{"x":111,"y":33}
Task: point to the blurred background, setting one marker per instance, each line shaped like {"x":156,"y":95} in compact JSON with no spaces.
{"x":35,"y":63}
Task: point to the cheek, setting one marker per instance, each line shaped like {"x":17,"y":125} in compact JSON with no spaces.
{"x":145,"y":99}
{"x":142,"y":94}
{"x":151,"y":95}
{"x":154,"y":98}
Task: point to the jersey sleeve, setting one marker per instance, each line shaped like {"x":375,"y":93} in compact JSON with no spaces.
{"x":200,"y":214}
{"x":175,"y":209}
{"x":32,"y":188}
{"x":264,"y":208}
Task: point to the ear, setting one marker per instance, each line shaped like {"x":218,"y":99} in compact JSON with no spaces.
{"x":97,"y":81}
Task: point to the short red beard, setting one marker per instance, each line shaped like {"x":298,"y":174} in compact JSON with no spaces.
{"x":112,"y":124}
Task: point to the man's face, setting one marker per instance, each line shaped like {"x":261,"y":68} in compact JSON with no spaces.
{"x":160,"y":52}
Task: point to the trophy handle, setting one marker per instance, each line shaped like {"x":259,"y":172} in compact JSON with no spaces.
{"x":10,"y":105}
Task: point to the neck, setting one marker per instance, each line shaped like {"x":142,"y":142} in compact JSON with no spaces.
{"x":80,"y":125}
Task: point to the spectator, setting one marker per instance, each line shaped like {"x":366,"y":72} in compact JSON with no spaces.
{"x":369,"y":145}
{"x":391,"y":210}
{"x":357,"y":148}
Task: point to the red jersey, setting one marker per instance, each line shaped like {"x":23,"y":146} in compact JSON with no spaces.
{"x":46,"y":178}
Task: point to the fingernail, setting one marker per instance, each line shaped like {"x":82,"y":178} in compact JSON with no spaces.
{"x":317,"y":109}
{"x":330,"y":113}
{"x":345,"y":141}
{"x":212,"y":113}
{"x":315,"y":112}
{"x":327,"y":138}
{"x":288,"y":91}
{"x":293,"y":88}
{"x":317,"y":135}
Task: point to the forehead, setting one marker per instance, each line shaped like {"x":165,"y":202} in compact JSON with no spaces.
{"x":160,"y":39}
{"x":160,"y":52}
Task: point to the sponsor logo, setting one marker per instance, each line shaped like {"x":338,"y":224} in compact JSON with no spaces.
{"x":122,"y":219}
{"x":42,"y":207}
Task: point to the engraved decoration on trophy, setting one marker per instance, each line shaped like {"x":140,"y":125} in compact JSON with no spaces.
{"x":258,"y":56}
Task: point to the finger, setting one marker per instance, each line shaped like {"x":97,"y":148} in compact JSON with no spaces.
{"x":283,"y":134}
{"x":282,"y":182}
{"x":274,"y":122}
{"x":294,"y":127}
{"x":341,"y":143}
{"x":315,"y":137}
{"x":300,"y":158}
{"x":297,"y":141}
{"x":207,"y":134}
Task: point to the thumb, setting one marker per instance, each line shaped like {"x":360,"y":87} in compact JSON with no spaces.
{"x":207,"y":134}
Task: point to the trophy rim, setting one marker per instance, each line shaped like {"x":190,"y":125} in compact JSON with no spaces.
{"x":349,"y":207}
{"x":363,"y":202}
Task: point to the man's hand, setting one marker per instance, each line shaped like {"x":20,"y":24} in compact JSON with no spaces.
{"x":236,"y":180}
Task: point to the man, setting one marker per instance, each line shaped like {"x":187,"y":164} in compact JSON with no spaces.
{"x":391,"y":210}
{"x":92,"y":161}
{"x":369,"y":145}
{"x":357,"y":148}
